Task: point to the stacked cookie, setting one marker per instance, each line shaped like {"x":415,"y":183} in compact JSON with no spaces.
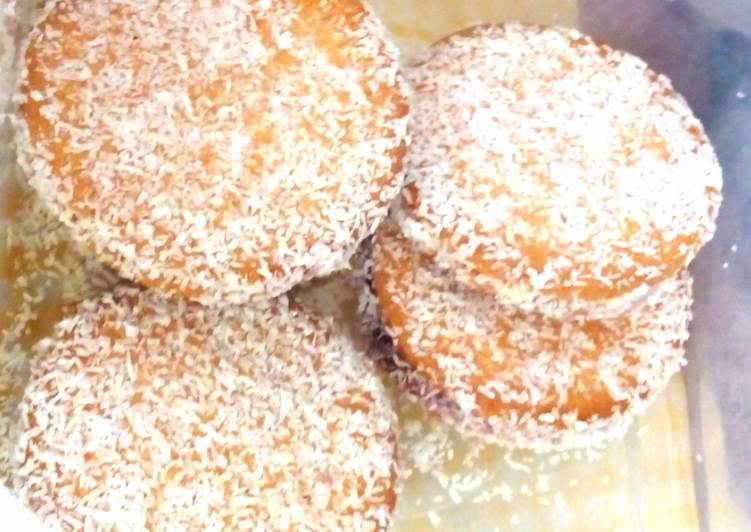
{"x":534,"y":277}
{"x":217,"y":154}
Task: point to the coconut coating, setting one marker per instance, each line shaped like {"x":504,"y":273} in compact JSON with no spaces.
{"x":149,"y":413}
{"x":519,"y":377}
{"x":214,"y":150}
{"x":548,"y":167}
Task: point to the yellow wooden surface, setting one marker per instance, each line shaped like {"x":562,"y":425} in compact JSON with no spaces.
{"x":415,"y":24}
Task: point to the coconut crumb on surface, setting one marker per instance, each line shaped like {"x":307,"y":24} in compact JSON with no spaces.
{"x":217,"y":151}
{"x":203,"y":418}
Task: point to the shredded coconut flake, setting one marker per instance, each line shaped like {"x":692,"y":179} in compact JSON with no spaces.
{"x":516,"y":378}
{"x":206,"y":419}
{"x":553,"y":170}
{"x":42,"y":267}
{"x":221,"y":151}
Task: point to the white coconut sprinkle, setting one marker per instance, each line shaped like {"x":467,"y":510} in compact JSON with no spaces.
{"x":206,"y":419}
{"x":221,"y":151}
{"x":523,"y":379}
{"x":478,"y":473}
{"x":552,"y":170}
{"x":42,"y":267}
{"x":43,"y":272}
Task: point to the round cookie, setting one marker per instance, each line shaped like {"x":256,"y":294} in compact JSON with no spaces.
{"x":523,"y":378}
{"x":217,"y":151}
{"x":553,"y":170}
{"x":148,"y":413}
